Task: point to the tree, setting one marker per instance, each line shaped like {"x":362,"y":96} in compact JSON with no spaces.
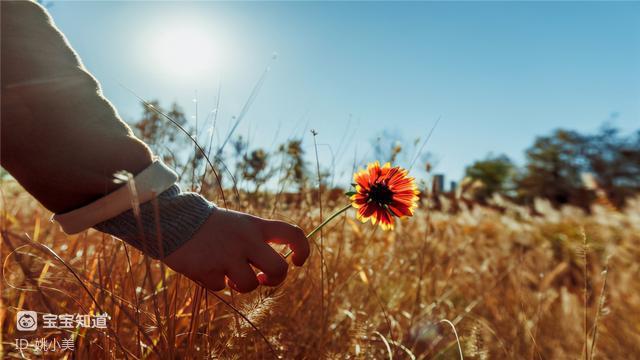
{"x":239,"y":147}
{"x":554,"y":167}
{"x":556,"y":163}
{"x":496,"y":173}
{"x":294,"y":164}
{"x":614,"y":161}
{"x":157,"y":131}
{"x":168,"y":141}
{"x":255,"y":168}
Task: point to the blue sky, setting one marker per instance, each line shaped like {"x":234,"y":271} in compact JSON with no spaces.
{"x":496,"y":73}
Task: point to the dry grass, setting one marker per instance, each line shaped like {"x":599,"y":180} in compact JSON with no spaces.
{"x":512,"y":285}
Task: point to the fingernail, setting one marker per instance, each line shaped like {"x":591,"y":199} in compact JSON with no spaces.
{"x":262,"y":278}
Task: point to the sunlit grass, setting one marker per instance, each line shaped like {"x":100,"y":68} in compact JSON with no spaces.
{"x":511,"y":284}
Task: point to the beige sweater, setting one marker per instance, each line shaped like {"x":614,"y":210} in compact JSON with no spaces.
{"x":63,"y":141}
{"x":60,"y":138}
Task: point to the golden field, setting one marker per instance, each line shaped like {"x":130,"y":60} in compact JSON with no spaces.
{"x":560,"y":284}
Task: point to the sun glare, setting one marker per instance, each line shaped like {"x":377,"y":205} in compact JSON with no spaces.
{"x":186,"y":50}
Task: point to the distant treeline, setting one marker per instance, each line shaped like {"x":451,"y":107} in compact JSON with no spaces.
{"x":565,"y":167}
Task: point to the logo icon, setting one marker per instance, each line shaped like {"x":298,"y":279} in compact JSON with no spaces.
{"x":27,"y":320}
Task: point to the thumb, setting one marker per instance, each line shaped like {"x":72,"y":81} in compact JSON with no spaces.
{"x":280,"y":232}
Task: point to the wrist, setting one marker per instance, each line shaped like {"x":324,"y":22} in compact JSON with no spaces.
{"x":163,"y":224}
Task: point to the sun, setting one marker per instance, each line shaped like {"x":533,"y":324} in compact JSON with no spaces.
{"x":186,"y":50}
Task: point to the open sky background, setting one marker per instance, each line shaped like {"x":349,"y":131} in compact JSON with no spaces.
{"x":497,"y":73}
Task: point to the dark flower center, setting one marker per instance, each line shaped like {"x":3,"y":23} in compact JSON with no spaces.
{"x":380,"y":193}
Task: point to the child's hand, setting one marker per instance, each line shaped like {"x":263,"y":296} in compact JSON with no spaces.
{"x":229,"y":243}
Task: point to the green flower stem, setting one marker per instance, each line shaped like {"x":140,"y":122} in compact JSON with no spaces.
{"x":333,"y":216}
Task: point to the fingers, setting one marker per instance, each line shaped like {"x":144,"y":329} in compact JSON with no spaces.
{"x":214,"y":281}
{"x":273,"y":266}
{"x":242,"y":278}
{"x":279,"y":232}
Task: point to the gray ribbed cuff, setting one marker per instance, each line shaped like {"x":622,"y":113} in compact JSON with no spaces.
{"x":180,"y":215}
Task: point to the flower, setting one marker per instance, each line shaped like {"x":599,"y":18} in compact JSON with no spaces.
{"x":382,"y":193}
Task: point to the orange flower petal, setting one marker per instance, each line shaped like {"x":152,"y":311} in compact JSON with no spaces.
{"x":382,"y":193}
